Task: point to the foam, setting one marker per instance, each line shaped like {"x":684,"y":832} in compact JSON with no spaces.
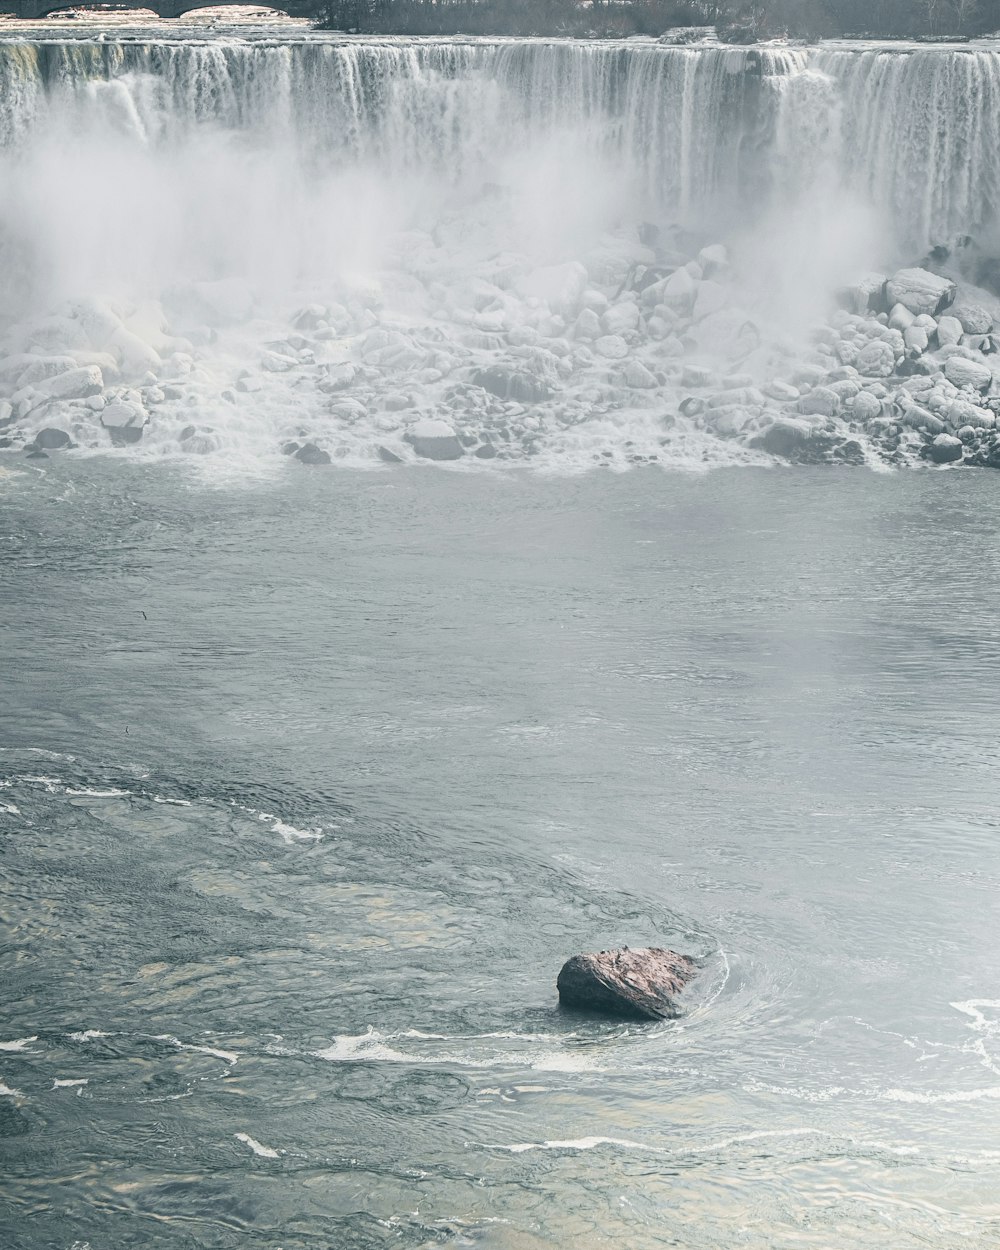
{"x":69,"y":1083}
{"x":375,"y":1047}
{"x":226,"y":1055}
{"x":7,"y":1092}
{"x":264,"y":1152}
{"x":947,"y":1096}
{"x":21,"y":1043}
{"x":90,"y":792}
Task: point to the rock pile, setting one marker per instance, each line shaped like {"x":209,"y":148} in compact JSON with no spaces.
{"x":617,"y":359}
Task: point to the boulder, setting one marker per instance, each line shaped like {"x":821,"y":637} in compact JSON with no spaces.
{"x":636,"y":984}
{"x":309,"y":453}
{"x":435,"y":440}
{"x":621,"y":317}
{"x":963,"y":372}
{"x":867,"y":294}
{"x":125,"y":422}
{"x":387,"y":456}
{"x":785,"y":437}
{"x":974,"y":318}
{"x":916,"y":340}
{"x":277,"y":362}
{"x":920,"y":291}
{"x":820,"y":401}
{"x":638,"y":376}
{"x":73,"y":383}
{"x":611,"y":347}
{"x":865,"y":407}
{"x":949,"y":331}
{"x":875,"y":360}
{"x":945,"y":449}
{"x":509,"y":383}
{"x":51,"y":439}
{"x":713,"y":259}
{"x":587,"y":326}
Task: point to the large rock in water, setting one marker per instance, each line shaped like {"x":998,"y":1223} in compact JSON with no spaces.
{"x":434,"y":440}
{"x":920,"y":291}
{"x":636,"y":984}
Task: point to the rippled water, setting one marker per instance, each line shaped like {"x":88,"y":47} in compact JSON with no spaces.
{"x":310,"y":786}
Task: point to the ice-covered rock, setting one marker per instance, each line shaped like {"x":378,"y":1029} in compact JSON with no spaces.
{"x":277,"y":362}
{"x":611,"y":347}
{"x":785,"y":436}
{"x":821,"y":400}
{"x":865,"y":407}
{"x":75,"y":383}
{"x":915,"y":340}
{"x":920,"y":291}
{"x":678,"y":291}
{"x":945,"y":449}
{"x":124,"y":421}
{"x":41,"y":368}
{"x":974,"y":318}
{"x":866,"y":294}
{"x":638,"y":376}
{"x":587,"y":326}
{"x":875,"y":360}
{"x":621,"y":318}
{"x":963,"y":372}
{"x":784,"y":392}
{"x":507,"y":382}
{"x":713,"y":259}
{"x":434,"y":440}
{"x":949,"y":330}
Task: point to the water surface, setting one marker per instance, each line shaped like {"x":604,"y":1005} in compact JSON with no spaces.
{"x":310,"y":785}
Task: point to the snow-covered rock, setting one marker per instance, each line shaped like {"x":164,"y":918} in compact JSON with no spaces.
{"x":875,"y":360}
{"x":945,"y":449}
{"x":434,"y":440}
{"x":949,"y":330}
{"x":974,"y":318}
{"x":124,"y":421}
{"x":963,"y":372}
{"x":611,"y":347}
{"x":920,"y":291}
{"x":638,"y":376}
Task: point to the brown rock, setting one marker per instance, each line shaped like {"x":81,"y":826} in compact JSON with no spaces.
{"x":637,"y":984}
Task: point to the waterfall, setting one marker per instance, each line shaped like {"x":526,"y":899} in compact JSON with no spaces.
{"x":695,"y":131}
{"x":452,"y":207}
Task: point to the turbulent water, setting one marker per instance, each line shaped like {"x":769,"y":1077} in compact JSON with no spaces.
{"x":310,"y":788}
{"x":312,"y":774}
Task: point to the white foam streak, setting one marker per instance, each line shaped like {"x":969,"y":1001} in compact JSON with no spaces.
{"x":21,"y":1043}
{"x":264,"y":1152}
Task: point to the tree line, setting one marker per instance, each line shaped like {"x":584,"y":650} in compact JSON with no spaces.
{"x":735,"y":21}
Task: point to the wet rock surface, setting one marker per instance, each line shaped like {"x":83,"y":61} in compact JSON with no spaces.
{"x":638,"y":984}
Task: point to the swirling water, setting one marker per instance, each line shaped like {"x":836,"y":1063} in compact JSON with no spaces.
{"x":310,"y":785}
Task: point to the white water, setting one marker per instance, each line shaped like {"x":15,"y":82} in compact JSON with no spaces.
{"x":203,"y":189}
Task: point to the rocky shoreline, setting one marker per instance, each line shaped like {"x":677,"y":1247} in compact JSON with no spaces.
{"x":621,"y":356}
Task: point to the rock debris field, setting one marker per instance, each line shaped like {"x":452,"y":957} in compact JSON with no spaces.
{"x":646,"y":351}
